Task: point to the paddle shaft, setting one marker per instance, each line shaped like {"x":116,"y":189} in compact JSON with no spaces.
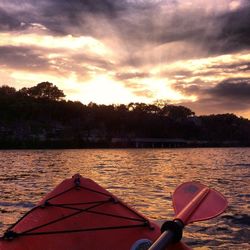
{"x":181,"y":219}
{"x":172,"y":230}
{"x":164,"y":240}
{"x":185,"y":214}
{"x":167,"y":237}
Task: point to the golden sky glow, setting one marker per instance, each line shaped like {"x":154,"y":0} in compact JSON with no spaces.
{"x":131,"y":51}
{"x":65,"y":43}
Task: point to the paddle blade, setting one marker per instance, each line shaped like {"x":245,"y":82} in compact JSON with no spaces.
{"x":194,"y":201}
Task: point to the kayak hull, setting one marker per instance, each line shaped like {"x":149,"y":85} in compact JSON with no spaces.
{"x":79,"y":214}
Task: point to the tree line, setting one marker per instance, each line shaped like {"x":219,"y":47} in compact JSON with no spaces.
{"x":41,"y":117}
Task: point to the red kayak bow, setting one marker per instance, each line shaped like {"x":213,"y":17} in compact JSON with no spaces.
{"x":79,"y":214}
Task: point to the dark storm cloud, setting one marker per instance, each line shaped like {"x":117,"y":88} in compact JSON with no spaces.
{"x":22,"y":58}
{"x":231,"y":95}
{"x":216,"y":106}
{"x":63,"y":16}
{"x":72,"y":8}
{"x":208,"y":33}
{"x":238,"y":88}
{"x":235,"y":30}
{"x":212,"y":33}
{"x":127,"y":20}
{"x":232,"y":88}
{"x":8,"y":22}
{"x":141,"y":22}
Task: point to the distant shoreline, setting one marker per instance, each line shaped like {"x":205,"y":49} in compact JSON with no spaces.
{"x":31,"y":121}
{"x":129,"y":145}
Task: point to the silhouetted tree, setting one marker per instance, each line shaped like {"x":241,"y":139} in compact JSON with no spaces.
{"x":177,"y":112}
{"x":44,"y":90}
{"x":7,"y":91}
{"x":38,"y":112}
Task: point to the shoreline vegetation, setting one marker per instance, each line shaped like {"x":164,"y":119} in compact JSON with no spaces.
{"x":40,"y":118}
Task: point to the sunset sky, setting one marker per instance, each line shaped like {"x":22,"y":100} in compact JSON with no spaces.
{"x":194,"y":53}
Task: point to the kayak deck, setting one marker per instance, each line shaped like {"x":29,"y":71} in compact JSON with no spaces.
{"x":79,"y":214}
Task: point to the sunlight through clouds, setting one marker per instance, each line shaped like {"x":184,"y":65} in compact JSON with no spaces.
{"x":124,"y":51}
{"x":103,"y":90}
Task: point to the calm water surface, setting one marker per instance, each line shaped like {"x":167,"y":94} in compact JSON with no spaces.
{"x":144,"y":178}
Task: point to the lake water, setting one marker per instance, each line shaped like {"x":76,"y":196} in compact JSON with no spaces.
{"x":144,"y":178}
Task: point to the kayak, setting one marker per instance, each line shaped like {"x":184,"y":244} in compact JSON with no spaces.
{"x":79,"y":214}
